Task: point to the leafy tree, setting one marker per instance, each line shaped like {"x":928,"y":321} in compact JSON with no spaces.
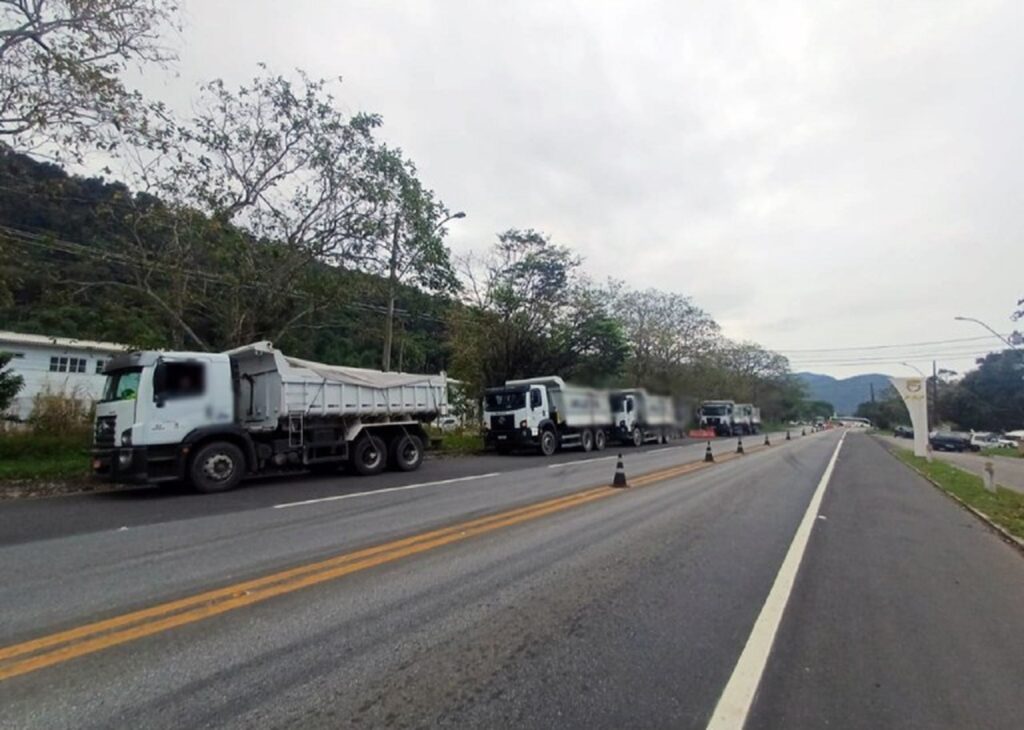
{"x":990,"y":398}
{"x":61,"y":63}
{"x":531,"y":312}
{"x":408,"y":245}
{"x":886,"y":411}
{"x":10,"y":382}
{"x":666,"y":332}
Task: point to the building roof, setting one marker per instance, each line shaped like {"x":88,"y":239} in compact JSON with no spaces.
{"x":70,"y":343}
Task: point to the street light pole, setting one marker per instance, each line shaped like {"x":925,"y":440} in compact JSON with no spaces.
{"x":389,"y":327}
{"x":913,"y":367}
{"x":978,"y":321}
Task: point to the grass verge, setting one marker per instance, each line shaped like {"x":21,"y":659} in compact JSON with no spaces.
{"x":31,"y":456}
{"x":458,"y":443}
{"x":1012,"y":453}
{"x":1005,"y":507}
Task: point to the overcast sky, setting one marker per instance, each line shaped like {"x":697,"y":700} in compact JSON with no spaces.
{"x":815,"y":175}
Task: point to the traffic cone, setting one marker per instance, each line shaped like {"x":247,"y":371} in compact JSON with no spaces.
{"x":708,"y":456}
{"x":620,"y":474}
{"x":766,"y":441}
{"x":739,"y":444}
{"x":788,"y":438}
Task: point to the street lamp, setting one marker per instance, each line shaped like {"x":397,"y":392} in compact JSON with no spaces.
{"x":389,"y":329}
{"x":978,"y":321}
{"x":913,"y":367}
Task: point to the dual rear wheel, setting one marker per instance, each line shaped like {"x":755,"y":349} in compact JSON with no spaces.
{"x":371,"y":455}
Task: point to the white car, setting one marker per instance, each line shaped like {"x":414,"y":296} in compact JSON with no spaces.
{"x":447,"y":423}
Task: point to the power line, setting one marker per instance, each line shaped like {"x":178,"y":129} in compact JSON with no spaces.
{"x":888,"y":347}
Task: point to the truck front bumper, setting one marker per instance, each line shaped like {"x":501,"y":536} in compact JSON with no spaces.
{"x":515,"y":438}
{"x":139,"y":464}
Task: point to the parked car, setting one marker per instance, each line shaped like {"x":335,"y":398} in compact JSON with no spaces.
{"x":447,"y":423}
{"x":903,"y":432}
{"x":950,"y":441}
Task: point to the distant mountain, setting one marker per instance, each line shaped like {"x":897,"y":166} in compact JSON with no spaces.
{"x":845,"y":394}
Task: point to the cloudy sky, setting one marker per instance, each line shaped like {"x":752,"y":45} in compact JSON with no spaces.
{"x":816,"y":175}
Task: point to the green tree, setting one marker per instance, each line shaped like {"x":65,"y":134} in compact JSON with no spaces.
{"x":528,"y":312}
{"x":886,"y":411}
{"x":991,"y":397}
{"x":61,"y":65}
{"x":10,"y":382}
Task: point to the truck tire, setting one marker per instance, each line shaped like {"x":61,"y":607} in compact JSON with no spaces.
{"x":406,"y":453}
{"x":587,"y":440}
{"x":217,"y":467}
{"x":637,"y":437}
{"x":548,"y":442}
{"x":369,"y":456}
{"x":600,"y":440}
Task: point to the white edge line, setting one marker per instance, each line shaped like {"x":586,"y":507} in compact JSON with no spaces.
{"x":402,"y":488}
{"x":580,"y":461}
{"x":738,"y":696}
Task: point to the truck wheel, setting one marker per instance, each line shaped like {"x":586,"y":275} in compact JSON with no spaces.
{"x":637,"y":437}
{"x":587,"y":440}
{"x":217,"y":467}
{"x":600,"y":440}
{"x":406,"y":453}
{"x":369,"y":456}
{"x":548,"y":442}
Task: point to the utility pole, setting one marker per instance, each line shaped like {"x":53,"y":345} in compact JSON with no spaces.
{"x":872,"y":392}
{"x":933,"y":410}
{"x":389,"y":329}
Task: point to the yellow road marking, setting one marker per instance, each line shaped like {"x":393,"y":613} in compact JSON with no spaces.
{"x":55,"y":648}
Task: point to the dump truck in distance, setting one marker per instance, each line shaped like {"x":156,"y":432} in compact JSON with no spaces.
{"x":546,"y":414}
{"x":717,"y":416}
{"x":746,"y":419}
{"x":210,"y":419}
{"x":640,"y":417}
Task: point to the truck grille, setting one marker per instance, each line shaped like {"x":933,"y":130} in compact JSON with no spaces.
{"x":502,"y":423}
{"x":106,"y":426}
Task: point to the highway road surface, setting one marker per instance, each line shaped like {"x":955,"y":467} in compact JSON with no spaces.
{"x":812,"y":583}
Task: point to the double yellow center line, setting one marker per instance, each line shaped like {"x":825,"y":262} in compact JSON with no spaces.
{"x":46,"y":651}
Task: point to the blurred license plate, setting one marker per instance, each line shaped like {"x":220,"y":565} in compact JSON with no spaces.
{"x":502,"y":436}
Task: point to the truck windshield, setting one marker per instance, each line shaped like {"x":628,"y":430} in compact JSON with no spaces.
{"x":617,"y":403}
{"x":122,"y":385}
{"x":507,"y":401}
{"x":715,"y":410}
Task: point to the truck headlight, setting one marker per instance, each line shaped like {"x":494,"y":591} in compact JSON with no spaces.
{"x":124,"y":458}
{"x":523,"y":424}
{"x":126,"y":437}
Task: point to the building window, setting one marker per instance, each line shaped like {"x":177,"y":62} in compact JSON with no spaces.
{"x":68,"y":364}
{"x":99,"y":366}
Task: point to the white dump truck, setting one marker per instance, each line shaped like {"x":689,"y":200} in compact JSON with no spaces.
{"x":640,"y":417}
{"x":717,"y":416}
{"x":746,"y":418}
{"x":546,"y":414}
{"x":210,"y":419}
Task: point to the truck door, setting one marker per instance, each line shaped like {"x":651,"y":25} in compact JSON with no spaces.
{"x":538,"y":410}
{"x":180,"y":400}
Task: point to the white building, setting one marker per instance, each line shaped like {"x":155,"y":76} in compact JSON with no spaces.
{"x":56,"y":364}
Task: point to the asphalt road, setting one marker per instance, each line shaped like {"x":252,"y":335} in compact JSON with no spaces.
{"x":627,"y":608}
{"x":35,"y":519}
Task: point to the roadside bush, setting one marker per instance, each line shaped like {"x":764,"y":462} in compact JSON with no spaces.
{"x":61,"y":414}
